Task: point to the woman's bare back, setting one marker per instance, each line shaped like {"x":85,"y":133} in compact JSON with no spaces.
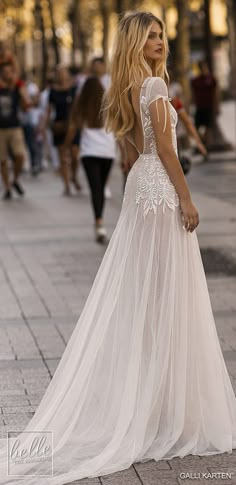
{"x":137,"y":130}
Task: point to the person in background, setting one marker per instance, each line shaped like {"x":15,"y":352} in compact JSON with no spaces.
{"x":98,"y":68}
{"x":61,"y":98}
{"x":206,"y":99}
{"x":6,"y":56}
{"x":97,"y":148}
{"x":32,"y":90}
{"x":186,"y":122}
{"x":36,"y":120}
{"x":49,"y":150}
{"x":12,"y":95}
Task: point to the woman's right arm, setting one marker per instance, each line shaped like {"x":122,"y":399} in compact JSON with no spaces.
{"x":160,"y":117}
{"x":74,"y":122}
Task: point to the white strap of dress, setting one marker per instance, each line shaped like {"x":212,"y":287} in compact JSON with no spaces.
{"x":164,"y":98}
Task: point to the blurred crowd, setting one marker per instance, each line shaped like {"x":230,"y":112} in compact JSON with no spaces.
{"x":60,"y":127}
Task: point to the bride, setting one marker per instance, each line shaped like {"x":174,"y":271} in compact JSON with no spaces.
{"x":143,"y":375}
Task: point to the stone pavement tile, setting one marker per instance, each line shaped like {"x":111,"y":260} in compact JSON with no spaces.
{"x":9,"y":306}
{"x":231,"y":367}
{"x":7,"y":400}
{"x":86,"y":481}
{"x":12,"y":392}
{"x":20,"y":419}
{"x":205,"y":481}
{"x":211,"y":208}
{"x":229,"y":469}
{"x":222,"y":300}
{"x":11,"y":321}
{"x":189,"y":462}
{"x":219,"y":241}
{"x":49,"y":339}
{"x":21,"y":284}
{"x":66,"y":329}
{"x":22,"y":342}
{"x":156,"y":472}
{"x":18,"y":409}
{"x":124,"y":477}
{"x":226,"y":329}
{"x":220,"y":459}
{"x":151,"y":466}
{"x":53,"y":320}
{"x":41,"y":281}
{"x":52,"y":364}
{"x":35,"y":398}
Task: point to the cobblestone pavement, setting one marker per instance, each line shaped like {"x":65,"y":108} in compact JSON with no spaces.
{"x":48,"y":261}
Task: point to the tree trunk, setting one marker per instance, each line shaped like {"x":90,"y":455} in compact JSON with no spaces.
{"x":217,"y":141}
{"x":41,"y":26}
{"x":119,"y":6}
{"x":208,"y":41}
{"x":182,"y":49}
{"x":72,"y":16}
{"x":105,"y":20}
{"x":54,"y":37}
{"x":82,"y":37}
{"x":231,"y":16}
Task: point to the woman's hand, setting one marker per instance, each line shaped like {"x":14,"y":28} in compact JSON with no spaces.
{"x":202,"y":149}
{"x":189,"y":214}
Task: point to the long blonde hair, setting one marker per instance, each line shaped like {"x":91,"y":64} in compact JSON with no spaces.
{"x":129,"y":68}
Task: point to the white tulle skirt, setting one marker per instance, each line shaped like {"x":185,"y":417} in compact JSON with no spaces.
{"x":143,"y":375}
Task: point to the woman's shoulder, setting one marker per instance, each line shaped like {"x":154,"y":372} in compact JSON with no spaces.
{"x":156,"y":86}
{"x":156,"y":81}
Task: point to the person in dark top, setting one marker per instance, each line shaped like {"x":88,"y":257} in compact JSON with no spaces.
{"x":12,"y":96}
{"x":205,"y":97}
{"x":61,"y":98}
{"x":6,"y":56}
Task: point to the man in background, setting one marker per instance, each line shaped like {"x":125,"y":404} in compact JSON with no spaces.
{"x":12,"y":96}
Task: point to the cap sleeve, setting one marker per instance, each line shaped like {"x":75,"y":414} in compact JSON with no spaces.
{"x":157,"y":89}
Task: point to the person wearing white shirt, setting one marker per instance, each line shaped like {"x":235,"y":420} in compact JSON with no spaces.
{"x":97,"y":147}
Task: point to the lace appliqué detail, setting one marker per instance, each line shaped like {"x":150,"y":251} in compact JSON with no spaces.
{"x":154,"y":188}
{"x":148,"y":182}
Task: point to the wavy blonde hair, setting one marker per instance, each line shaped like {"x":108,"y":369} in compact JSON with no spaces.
{"x":129,"y":68}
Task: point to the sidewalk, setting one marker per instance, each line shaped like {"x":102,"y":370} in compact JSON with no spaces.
{"x":48,"y":261}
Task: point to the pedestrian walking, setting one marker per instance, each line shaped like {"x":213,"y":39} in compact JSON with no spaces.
{"x":36,"y":122}
{"x":7,"y":56}
{"x":206,"y":99}
{"x":61,"y":98}
{"x":143,"y":375}
{"x":98,"y":68}
{"x":185,"y":127}
{"x":97,"y":148}
{"x":26,"y":118}
{"x":50,"y":155}
{"x":12,"y":96}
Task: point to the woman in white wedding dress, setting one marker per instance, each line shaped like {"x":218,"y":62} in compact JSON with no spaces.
{"x":143,"y":375}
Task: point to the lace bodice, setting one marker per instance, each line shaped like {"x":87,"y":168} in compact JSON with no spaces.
{"x":153,"y":185}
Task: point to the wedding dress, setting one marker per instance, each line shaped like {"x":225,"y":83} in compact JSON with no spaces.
{"x":143,"y":375}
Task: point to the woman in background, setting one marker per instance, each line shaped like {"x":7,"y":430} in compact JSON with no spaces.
{"x":61,"y":98}
{"x":97,"y":148}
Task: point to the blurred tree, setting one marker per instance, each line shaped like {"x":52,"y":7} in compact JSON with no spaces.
{"x":39,"y":20}
{"x":72,"y":16}
{"x":105,"y":14}
{"x":231,"y":18}
{"x":119,"y":5}
{"x":182,"y":48}
{"x":208,"y":40}
{"x":54,"y":37}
